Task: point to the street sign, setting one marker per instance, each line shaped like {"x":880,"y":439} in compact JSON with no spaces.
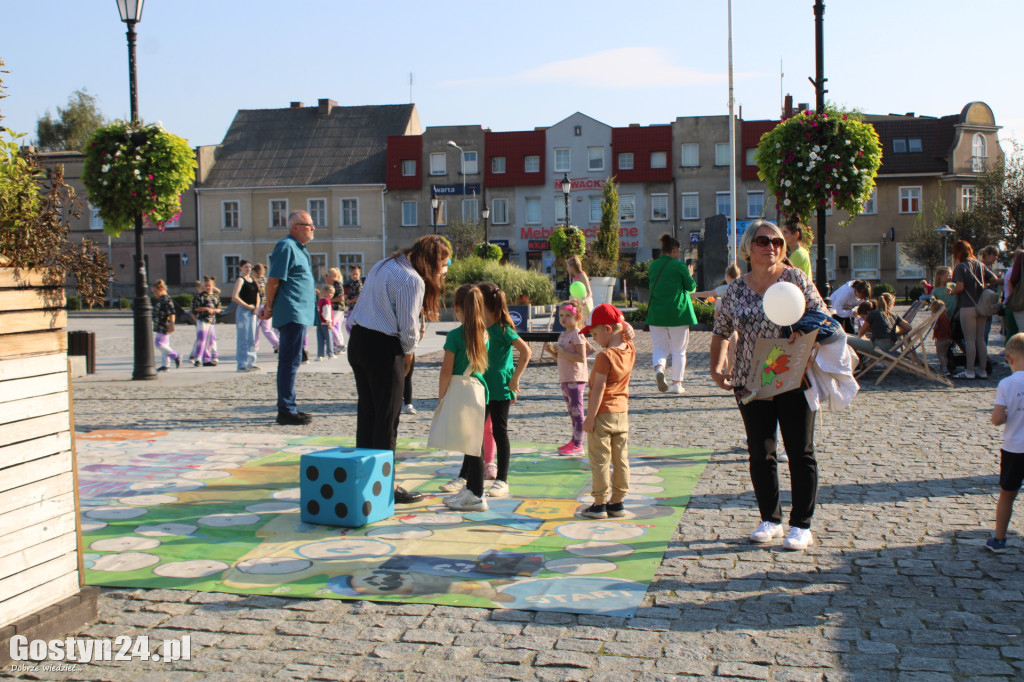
{"x":184,"y":259}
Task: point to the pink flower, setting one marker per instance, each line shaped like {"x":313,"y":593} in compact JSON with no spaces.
{"x":150,"y":177}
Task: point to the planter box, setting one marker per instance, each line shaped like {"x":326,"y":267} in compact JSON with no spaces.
{"x":603,"y":289}
{"x":40,"y":539}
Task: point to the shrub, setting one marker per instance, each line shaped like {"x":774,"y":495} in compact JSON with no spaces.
{"x":183,"y":301}
{"x":916,"y":293}
{"x":74,"y":303}
{"x":705,"y":312}
{"x":597,"y":266}
{"x":124,"y":303}
{"x":488,"y":251}
{"x":637,"y":315}
{"x":637,"y":275}
{"x":513,"y":280}
{"x":881,"y":288}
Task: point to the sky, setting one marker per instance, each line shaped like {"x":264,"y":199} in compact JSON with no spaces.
{"x":509,"y":66}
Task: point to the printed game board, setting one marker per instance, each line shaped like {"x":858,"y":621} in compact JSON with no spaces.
{"x":220,"y":512}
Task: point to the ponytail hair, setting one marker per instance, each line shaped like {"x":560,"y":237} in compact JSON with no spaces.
{"x":470,"y":301}
{"x":668,"y":243}
{"x":496,"y":302}
{"x":160,"y":285}
{"x":884,"y":304}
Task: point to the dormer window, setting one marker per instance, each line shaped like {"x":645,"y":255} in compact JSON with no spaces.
{"x":906,"y":145}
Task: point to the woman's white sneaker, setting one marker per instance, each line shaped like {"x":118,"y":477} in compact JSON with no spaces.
{"x":798,"y":538}
{"x":766,"y":532}
{"x":454,"y":485}
{"x":467,"y":501}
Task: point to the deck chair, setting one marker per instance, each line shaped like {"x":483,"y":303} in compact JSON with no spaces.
{"x":912,"y":311}
{"x":909,"y":354}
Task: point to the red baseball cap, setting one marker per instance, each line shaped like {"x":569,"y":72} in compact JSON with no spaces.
{"x":605,"y":313}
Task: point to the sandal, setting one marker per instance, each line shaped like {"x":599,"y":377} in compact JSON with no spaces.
{"x":963,"y":375}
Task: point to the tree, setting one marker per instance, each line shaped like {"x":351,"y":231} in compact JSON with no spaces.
{"x":1001,"y":196}
{"x":463,"y":236}
{"x":73,"y":125}
{"x":607,"y":244}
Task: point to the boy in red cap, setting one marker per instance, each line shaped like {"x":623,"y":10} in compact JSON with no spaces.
{"x":607,"y":421}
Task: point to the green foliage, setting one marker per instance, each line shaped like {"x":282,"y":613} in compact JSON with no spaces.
{"x":124,"y":303}
{"x":73,"y":125}
{"x":637,"y":275}
{"x":132,"y":169}
{"x":513,"y":280}
{"x":607,"y":244}
{"x":882,"y":288}
{"x":462,"y":236}
{"x":638,"y":315}
{"x":810,"y":159}
{"x":705,"y":312}
{"x":915,"y":293}
{"x":567,"y":242}
{"x":183,"y":301}
{"x":596,"y":266}
{"x":488,"y":251}
{"x":74,"y":303}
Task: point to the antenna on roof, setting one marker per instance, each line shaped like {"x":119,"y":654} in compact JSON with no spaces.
{"x":410,"y":87}
{"x":782,"y":98}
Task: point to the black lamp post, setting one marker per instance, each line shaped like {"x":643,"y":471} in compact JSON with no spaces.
{"x":819,"y":105}
{"x":434,"y":203}
{"x":131,"y":14}
{"x":944,"y":231}
{"x":566,"y":188}
{"x":486,"y":213}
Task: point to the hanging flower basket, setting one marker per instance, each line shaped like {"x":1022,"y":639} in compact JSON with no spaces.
{"x":566,"y":242}
{"x":132,"y":169}
{"x":812,"y":159}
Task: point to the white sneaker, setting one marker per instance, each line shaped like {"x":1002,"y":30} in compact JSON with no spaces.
{"x":659,"y":376}
{"x":454,"y":485}
{"x":456,"y":498}
{"x":981,"y":374}
{"x":408,"y":409}
{"x":499,"y":489}
{"x":467,"y":501}
{"x":798,"y":538}
{"x":677,"y":389}
{"x":766,"y":532}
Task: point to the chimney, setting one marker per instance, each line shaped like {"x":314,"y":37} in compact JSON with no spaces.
{"x":803,"y":106}
{"x":295,"y":105}
{"x":324,"y":106}
{"x":910,"y":114}
{"x":787,"y":109}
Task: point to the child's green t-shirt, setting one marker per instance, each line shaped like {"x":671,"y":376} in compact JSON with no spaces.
{"x":456,"y":343}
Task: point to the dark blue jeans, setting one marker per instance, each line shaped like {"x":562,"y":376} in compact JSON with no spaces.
{"x":289,"y":358}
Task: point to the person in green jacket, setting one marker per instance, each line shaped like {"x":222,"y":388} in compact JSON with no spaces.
{"x":669,"y":313}
{"x":799,"y":256}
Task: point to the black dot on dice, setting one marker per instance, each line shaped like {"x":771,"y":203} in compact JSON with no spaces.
{"x":340,"y":510}
{"x":367,"y":507}
{"x":326,"y":491}
{"x":312,"y":473}
{"x":313,"y":507}
{"x":376,"y":488}
{"x":387,"y":468}
{"x":346,"y":450}
{"x":340,"y":474}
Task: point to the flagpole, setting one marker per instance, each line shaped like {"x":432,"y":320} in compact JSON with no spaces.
{"x":732,"y":153}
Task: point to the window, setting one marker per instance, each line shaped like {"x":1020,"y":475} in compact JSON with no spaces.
{"x":689,"y":207}
{"x":688,"y":154}
{"x":350,"y":212}
{"x":968,"y":197}
{"x":626,"y":161}
{"x":627,"y":207}
{"x":910,"y":199}
{"x":438,"y":163}
{"x":498,"y":164}
{"x":560,"y":209}
{"x":830,"y":260}
{"x":231,"y":268}
{"x":577,"y":131}
{"x":472,"y":167}
{"x":979,"y":156}
{"x":721,"y":153}
{"x":533,"y":210}
{"x":906,"y":267}
{"x":470,"y":211}
{"x":229,"y":218}
{"x":279,"y":213}
{"x":319,"y":261}
{"x":409,"y":218}
{"x":723,"y":204}
{"x":755,"y":204}
{"x":595,"y":209}
{"x":174,"y":222}
{"x":905,"y":145}
{"x":441,"y":216}
{"x":95,"y":221}
{"x":499,"y":211}
{"x":659,"y":159}
{"x":531,"y":164}
{"x":347,"y":261}
{"x":595,"y":158}
{"x":659,"y":207}
{"x":865,"y":260}
{"x":752,"y":156}
{"x":871,"y":205}
{"x":317,"y":211}
{"x":562,"y":160}
{"x":408,"y":167}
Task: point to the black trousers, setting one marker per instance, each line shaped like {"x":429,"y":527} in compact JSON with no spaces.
{"x":791,"y":413}
{"x":378,"y":365}
{"x":407,"y":391}
{"x":498,"y":412}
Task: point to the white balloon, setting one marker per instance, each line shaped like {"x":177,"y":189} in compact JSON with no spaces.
{"x":784,"y":303}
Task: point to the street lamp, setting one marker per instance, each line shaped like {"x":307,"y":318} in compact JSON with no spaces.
{"x":434,"y":203}
{"x":944,"y":231}
{"x":451,"y":143}
{"x":566,"y":188}
{"x":486,"y":213}
{"x":131,"y":14}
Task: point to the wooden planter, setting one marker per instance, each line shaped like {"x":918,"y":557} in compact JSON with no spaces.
{"x":41,"y":594}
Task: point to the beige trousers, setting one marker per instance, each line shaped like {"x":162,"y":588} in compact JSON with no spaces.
{"x":608,"y":447}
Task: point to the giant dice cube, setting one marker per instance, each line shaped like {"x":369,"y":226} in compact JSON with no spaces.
{"x":348,"y":487}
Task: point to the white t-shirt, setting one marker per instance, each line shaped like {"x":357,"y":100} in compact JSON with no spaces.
{"x":1010,"y":394}
{"x":845,"y":301}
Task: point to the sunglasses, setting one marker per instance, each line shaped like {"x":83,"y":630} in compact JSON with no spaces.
{"x":763,"y":240}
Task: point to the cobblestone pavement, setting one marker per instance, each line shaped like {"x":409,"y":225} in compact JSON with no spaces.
{"x":897,"y":585}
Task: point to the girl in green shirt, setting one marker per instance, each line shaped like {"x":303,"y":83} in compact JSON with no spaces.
{"x":799,"y":256}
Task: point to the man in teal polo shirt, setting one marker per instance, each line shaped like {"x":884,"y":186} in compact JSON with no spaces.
{"x":291,"y":304}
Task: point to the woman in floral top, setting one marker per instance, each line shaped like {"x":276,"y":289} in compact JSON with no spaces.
{"x":205,"y":307}
{"x":742,"y":311}
{"x":163,"y":327}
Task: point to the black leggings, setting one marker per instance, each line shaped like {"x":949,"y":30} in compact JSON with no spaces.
{"x":498,"y":412}
{"x":378,"y":365}
{"x":407,"y":393}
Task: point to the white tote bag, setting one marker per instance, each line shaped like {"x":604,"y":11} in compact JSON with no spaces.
{"x":458,"y":423}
